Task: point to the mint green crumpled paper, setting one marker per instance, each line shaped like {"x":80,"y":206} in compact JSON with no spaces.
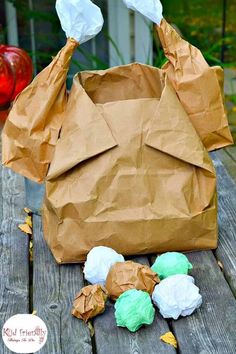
{"x":171,"y":263}
{"x":133,"y":309}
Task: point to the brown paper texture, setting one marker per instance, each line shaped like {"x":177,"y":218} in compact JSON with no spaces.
{"x":128,"y":275}
{"x":89,"y":302}
{"x":198,"y":86}
{"x":124,"y":165}
{"x":140,"y":181}
{"x":32,"y":128}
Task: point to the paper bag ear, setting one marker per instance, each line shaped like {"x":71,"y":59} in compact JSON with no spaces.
{"x":198,"y":87}
{"x":32,"y":128}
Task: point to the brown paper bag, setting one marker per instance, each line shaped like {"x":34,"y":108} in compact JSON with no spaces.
{"x":31,"y":131}
{"x":128,"y":171}
{"x":198,"y":86}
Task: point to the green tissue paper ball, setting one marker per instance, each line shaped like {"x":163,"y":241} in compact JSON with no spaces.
{"x":133,"y":309}
{"x":171,"y":263}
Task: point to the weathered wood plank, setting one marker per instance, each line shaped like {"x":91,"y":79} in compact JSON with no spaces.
{"x":65,"y":297}
{"x":75,"y":335}
{"x":226,"y":252}
{"x":46,"y":288}
{"x":111,"y":339}
{"x":54,"y":290}
{"x":226,"y":158}
{"x":14,"y":260}
{"x":231,"y":150}
{"x":211,"y":329}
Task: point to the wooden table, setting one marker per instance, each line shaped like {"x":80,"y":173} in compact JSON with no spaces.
{"x":49,"y":289}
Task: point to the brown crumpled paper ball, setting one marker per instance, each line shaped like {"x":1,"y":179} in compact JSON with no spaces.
{"x":89,"y":302}
{"x":130,"y":275}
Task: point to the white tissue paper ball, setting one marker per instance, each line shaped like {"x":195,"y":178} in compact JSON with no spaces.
{"x":99,"y":261}
{"x":152,"y":9}
{"x":177,"y":296}
{"x":80,"y":19}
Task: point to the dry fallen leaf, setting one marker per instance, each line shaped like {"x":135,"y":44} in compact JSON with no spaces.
{"x":91,"y":328}
{"x":28,"y":220}
{"x":220,"y":265}
{"x":27,"y":211}
{"x":34,"y":312}
{"x":234,"y":109}
{"x":25,"y":228}
{"x":31,"y":250}
{"x":169,"y":338}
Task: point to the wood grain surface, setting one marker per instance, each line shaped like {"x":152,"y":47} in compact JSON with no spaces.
{"x":210,"y":330}
{"x":14,"y":260}
{"x":54,"y":289}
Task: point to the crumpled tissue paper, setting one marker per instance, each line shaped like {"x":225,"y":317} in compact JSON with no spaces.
{"x":171,"y":263}
{"x":130,"y":275}
{"x":80,"y":19}
{"x":152,"y":9}
{"x":133,"y":309}
{"x":98,"y":263}
{"x":177,"y":296}
{"x":89,"y":302}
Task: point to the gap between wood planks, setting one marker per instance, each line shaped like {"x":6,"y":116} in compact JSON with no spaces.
{"x":171,"y":325}
{"x":150,"y":259}
{"x":31,"y":264}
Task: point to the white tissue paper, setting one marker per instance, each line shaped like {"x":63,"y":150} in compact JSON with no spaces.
{"x":177,"y":296}
{"x":99,"y":261}
{"x":80,"y":19}
{"x":152,"y":9}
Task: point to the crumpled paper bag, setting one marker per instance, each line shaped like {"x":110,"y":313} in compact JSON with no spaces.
{"x":177,"y":296}
{"x":34,"y":122}
{"x":31,"y":131}
{"x":80,"y":19}
{"x":130,"y":275}
{"x":199,"y":87}
{"x":89,"y":302}
{"x":92,"y":153}
{"x":98,"y":263}
{"x":133,"y":309}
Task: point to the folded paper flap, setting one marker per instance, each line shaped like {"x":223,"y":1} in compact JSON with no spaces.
{"x":31,"y":131}
{"x":177,"y":49}
{"x":79,"y":146}
{"x":198,"y":86}
{"x":172,"y":132}
{"x":84,"y":133}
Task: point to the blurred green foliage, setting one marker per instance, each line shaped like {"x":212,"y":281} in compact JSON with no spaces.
{"x":199,"y":21}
